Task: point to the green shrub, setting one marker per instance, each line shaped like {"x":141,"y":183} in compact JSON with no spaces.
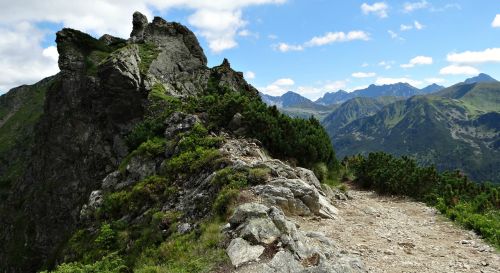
{"x":115,"y":204}
{"x":152,"y":147}
{"x":194,"y":252}
{"x":143,"y":131}
{"x":111,"y":263}
{"x":230,"y":177}
{"x":302,"y":140}
{"x":321,"y":171}
{"x":225,"y":199}
{"x":258,"y":175}
{"x":192,"y":161}
{"x":106,"y":239}
{"x":343,"y":188}
{"x":150,"y":191}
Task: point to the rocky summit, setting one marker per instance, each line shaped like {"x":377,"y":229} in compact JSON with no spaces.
{"x":91,"y":104}
{"x":112,"y":149}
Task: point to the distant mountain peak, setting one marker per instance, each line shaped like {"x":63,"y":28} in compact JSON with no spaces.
{"x":288,"y":93}
{"x":432,"y":88}
{"x":482,"y":77}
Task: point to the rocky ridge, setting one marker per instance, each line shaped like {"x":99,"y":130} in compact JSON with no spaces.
{"x":260,"y":236}
{"x":103,"y":91}
{"x":99,"y":95}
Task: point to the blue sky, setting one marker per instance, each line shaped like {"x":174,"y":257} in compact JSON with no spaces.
{"x":310,"y":47}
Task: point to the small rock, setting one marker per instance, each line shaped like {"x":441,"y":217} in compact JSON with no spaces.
{"x":246,"y":211}
{"x":240,"y":252}
{"x":466,"y":242}
{"x":283,"y":262}
{"x":389,"y":252}
{"x":184,"y":228}
{"x":260,"y":230}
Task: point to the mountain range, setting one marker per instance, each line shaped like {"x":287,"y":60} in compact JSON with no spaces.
{"x":455,"y":128}
{"x":452,"y":128}
{"x":374,"y":91}
{"x":296,"y":105}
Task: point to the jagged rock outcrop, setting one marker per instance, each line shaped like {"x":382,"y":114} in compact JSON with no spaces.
{"x":99,"y":95}
{"x":81,"y":154}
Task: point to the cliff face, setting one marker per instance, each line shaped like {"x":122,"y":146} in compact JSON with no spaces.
{"x":99,"y":95}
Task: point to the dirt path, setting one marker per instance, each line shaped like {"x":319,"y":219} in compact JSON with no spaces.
{"x":398,"y":235}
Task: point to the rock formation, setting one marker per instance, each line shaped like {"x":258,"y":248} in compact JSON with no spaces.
{"x":101,"y":93}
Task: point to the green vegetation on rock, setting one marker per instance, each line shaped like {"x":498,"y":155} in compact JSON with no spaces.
{"x":148,"y":53}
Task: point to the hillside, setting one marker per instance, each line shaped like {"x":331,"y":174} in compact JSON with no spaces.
{"x":20,"y":110}
{"x":454,"y":129}
{"x":137,"y":153}
{"x":354,"y":109}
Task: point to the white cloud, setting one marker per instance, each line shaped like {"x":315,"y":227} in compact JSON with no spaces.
{"x":281,"y":86}
{"x":248,"y":33}
{"x":365,"y":65}
{"x":411,"y":6}
{"x":489,"y":55}
{"x":335,"y":85}
{"x":51,"y":52}
{"x":22,"y":58}
{"x":419,"y":60}
{"x":383,"y":80}
{"x":379,"y":8}
{"x":315,"y":92}
{"x":416,"y":25}
{"x":446,"y":7}
{"x":405,"y":27}
{"x":332,"y":37}
{"x":496,"y":21}
{"x":328,"y":38}
{"x":284,"y":82}
{"x":364,"y":74}
{"x":435,"y":80}
{"x":284,"y":47}
{"x":394,"y":35}
{"x":386,"y":64}
{"x":458,"y":70}
{"x":278,"y":87}
{"x":310,"y":92}
{"x":218,"y":27}
{"x":249,"y":75}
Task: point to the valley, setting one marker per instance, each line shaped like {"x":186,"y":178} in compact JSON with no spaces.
{"x":452,"y":128}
